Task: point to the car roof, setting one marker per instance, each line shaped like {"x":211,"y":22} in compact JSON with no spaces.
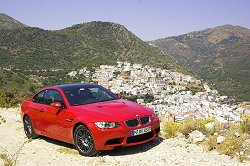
{"x":71,"y":86}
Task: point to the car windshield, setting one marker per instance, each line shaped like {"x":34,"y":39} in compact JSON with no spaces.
{"x":87,"y":95}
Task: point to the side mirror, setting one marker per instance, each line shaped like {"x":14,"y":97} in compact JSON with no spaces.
{"x":120,"y":96}
{"x":56,"y":105}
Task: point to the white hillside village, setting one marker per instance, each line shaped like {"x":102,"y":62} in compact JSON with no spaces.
{"x":172,"y":91}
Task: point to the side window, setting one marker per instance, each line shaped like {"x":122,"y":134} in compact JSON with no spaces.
{"x":53,"y":96}
{"x":39,"y":98}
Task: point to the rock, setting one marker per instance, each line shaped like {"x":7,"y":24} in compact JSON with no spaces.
{"x":237,"y":134}
{"x":220,"y":139}
{"x":246,"y":143}
{"x":209,"y":126}
{"x":224,"y":124}
{"x":215,"y":134}
{"x":196,"y":136}
{"x":206,"y":139}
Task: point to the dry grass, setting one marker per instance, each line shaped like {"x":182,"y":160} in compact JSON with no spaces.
{"x":170,"y":129}
{"x":11,"y":159}
{"x":2,"y":120}
{"x":230,"y":147}
{"x":190,"y":125}
{"x":67,"y":151}
{"x":234,"y":145}
{"x":245,"y":124}
{"x":8,"y":159}
{"x":211,"y":143}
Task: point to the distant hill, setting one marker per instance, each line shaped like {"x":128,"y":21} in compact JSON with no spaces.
{"x":9,"y":23}
{"x":46,"y":56}
{"x":220,"y":55}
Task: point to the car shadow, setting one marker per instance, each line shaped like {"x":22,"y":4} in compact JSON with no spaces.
{"x":56,"y":142}
{"x":118,"y":151}
{"x":129,"y":150}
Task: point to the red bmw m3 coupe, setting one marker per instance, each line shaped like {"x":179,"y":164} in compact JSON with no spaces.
{"x":88,"y":116}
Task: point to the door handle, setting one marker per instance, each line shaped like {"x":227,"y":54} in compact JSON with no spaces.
{"x":41,"y":110}
{"x":69,"y":120}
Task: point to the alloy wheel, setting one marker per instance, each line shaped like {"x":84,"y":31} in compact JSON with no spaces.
{"x":27,"y":126}
{"x":84,"y":140}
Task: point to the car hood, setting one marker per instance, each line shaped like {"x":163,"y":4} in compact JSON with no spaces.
{"x":114,"y":110}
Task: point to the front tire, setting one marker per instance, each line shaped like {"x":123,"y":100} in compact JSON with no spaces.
{"x":28,"y":128}
{"x":84,"y":141}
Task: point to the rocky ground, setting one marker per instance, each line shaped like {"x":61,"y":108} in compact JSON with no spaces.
{"x":45,"y":151}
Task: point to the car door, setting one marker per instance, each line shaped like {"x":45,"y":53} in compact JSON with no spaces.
{"x":56,"y":122}
{"x":36,"y":113}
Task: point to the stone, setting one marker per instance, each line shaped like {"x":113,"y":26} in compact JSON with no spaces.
{"x":196,"y":136}
{"x":209,"y":126}
{"x":215,"y":134}
{"x":206,"y":139}
{"x":237,"y":134}
{"x":246,"y":143}
{"x":224,"y":124}
{"x":220,"y":139}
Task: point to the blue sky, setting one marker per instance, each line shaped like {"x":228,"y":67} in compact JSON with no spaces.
{"x":148,"y":19}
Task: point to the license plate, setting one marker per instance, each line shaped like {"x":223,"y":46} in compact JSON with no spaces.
{"x":141,"y":131}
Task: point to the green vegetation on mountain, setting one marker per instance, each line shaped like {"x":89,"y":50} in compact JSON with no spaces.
{"x":14,"y":88}
{"x":45,"y":57}
{"x":6,"y":22}
{"x":89,"y":44}
{"x":220,"y":55}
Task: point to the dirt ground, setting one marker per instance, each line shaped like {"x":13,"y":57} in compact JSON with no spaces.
{"x":16,"y":149}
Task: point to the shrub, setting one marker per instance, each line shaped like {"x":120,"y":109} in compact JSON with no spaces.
{"x":245,"y":124}
{"x":170,"y":129}
{"x":190,"y":125}
{"x":211,"y":142}
{"x":234,"y":145}
{"x":231,"y":146}
{"x":215,"y":129}
{"x":194,"y":88}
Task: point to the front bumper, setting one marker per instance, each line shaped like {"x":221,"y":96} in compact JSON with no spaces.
{"x":107,"y":139}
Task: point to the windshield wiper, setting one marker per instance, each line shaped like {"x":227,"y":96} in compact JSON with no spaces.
{"x":107,"y":100}
{"x":92,"y":102}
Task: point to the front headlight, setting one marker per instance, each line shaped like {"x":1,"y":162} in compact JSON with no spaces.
{"x":107,"y":125}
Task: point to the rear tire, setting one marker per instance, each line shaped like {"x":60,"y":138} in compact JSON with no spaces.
{"x":28,"y":128}
{"x":84,"y":141}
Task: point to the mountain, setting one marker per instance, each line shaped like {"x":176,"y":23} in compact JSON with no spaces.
{"x":45,"y":57}
{"x":219,"y":55}
{"x":8,"y":22}
{"x":89,"y":44}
